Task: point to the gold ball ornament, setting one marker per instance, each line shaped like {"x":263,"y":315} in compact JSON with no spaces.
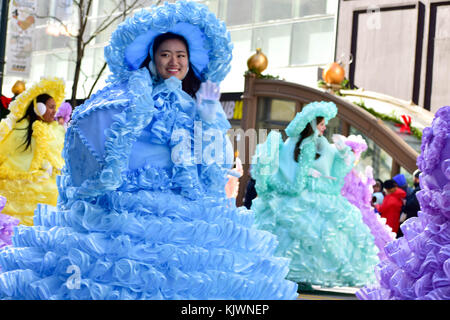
{"x":333,"y":73}
{"x":18,"y":87}
{"x":258,"y":61}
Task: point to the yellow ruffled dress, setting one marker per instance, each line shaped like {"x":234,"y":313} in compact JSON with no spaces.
{"x":28,"y":177}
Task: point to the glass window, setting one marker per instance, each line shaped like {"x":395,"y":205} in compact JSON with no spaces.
{"x":312,"y":7}
{"x":38,"y":69}
{"x":275,"y":43}
{"x":242,"y":40}
{"x":54,"y":63}
{"x":63,"y":9}
{"x":105,"y":35}
{"x":106,"y":7}
{"x":313,"y":42}
{"x":62,"y":42}
{"x":42,"y":10}
{"x":274,"y":114}
{"x":213,"y":5}
{"x":282,"y":110}
{"x":273,"y":10}
{"x":239,"y":12}
{"x":334,"y":126}
{"x":41,"y":40}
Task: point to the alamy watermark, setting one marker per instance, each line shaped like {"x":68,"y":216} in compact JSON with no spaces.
{"x":74,"y":281}
{"x":213,"y":146}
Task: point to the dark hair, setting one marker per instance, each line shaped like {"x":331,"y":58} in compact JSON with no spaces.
{"x":389,"y":184}
{"x":304,"y":134}
{"x":381,"y":184}
{"x":190,"y":84}
{"x":32,"y":117}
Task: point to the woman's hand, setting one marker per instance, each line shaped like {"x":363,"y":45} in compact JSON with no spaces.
{"x":208,"y":91}
{"x":339,"y":141}
{"x":314,"y":173}
{"x":207,"y":99}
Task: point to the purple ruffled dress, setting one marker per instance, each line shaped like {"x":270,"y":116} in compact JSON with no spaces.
{"x":7,"y":224}
{"x":418,"y":264}
{"x":358,"y":190}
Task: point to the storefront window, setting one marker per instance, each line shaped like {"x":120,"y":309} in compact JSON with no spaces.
{"x":334,"y":126}
{"x":274,"y":114}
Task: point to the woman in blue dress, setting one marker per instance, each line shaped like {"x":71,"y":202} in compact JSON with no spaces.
{"x":142,"y":211}
{"x":298,"y":184}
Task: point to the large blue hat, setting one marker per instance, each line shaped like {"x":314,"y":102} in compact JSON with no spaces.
{"x":210,"y":47}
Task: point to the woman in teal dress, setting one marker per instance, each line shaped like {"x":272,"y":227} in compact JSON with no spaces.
{"x":298,"y":184}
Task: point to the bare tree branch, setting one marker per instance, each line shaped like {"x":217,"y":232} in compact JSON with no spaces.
{"x":104,"y":25}
{"x":60,"y":21}
{"x":96,"y":79}
{"x":123,"y":15}
{"x":85,"y":36}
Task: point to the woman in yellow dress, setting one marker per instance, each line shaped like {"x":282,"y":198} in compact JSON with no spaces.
{"x":31,"y":142}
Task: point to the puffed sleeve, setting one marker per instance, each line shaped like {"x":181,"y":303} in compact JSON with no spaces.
{"x":305,"y":162}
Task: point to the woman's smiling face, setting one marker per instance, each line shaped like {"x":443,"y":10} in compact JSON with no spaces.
{"x":171,"y":59}
{"x":49,"y":115}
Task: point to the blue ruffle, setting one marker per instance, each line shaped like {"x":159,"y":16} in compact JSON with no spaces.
{"x":125,"y":231}
{"x":144,"y":245}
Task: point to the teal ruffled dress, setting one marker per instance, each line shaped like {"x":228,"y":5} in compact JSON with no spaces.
{"x":317,"y":228}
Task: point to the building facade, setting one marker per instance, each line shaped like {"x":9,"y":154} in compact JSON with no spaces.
{"x":399,"y":47}
{"x":297,"y":36}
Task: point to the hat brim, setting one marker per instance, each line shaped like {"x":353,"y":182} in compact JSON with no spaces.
{"x":209,"y":42}
{"x":326,"y":109}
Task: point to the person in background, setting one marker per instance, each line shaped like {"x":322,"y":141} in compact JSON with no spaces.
{"x":412,"y":206}
{"x":417,"y":265}
{"x":31,"y":143}
{"x":378,"y":195}
{"x":7,"y":224}
{"x":299,"y":184}
{"x":63,"y":114}
{"x":392,"y":204}
{"x":4,"y":101}
{"x":17,"y":88}
{"x":250,"y":193}
{"x":402,"y":183}
{"x":232,"y":186}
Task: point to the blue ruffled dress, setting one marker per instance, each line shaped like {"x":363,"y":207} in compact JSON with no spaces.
{"x":317,"y":228}
{"x":137,"y":216}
